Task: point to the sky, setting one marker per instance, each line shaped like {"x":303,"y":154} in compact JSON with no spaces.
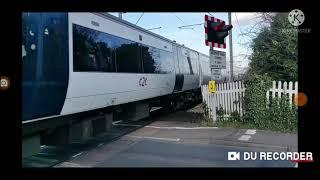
{"x":195,"y":38}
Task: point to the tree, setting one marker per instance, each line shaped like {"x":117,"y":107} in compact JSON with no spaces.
{"x":275,"y":49}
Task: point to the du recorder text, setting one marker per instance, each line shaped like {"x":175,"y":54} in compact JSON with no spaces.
{"x":268,"y":156}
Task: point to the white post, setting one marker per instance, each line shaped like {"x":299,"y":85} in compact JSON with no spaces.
{"x":214,"y":102}
{"x":285,"y":89}
{"x":227,"y":98}
{"x":223,"y":96}
{"x":241,"y":85}
{"x":217,"y":95}
{"x":290,"y":93}
{"x":273,"y":89}
{"x":279,"y":90}
{"x":267,"y":97}
{"x":296,"y":90}
{"x":231,"y":97}
{"x":236,"y":96}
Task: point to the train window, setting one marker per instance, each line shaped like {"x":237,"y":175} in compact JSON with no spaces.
{"x":54,"y":45}
{"x":194,"y":63}
{"x":190,"y":65}
{"x":167,"y":62}
{"x":93,"y":50}
{"x":175,"y":59}
{"x":185,"y":63}
{"x":156,"y":60}
{"x":150,"y":55}
{"x":128,"y":57}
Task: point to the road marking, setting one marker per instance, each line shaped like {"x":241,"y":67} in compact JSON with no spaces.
{"x":77,"y":154}
{"x":244,"y":138}
{"x":114,"y":123}
{"x":69,"y":164}
{"x":100,"y":144}
{"x":251,"y":131}
{"x":157,"y":127}
{"x":133,"y":125}
{"x":157,"y":138}
{"x":155,"y":109}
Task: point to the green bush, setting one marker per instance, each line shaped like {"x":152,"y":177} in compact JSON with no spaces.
{"x":254,"y":102}
{"x":279,"y":115}
{"x":206,"y":120}
{"x":220,"y":114}
{"x":282,"y":116}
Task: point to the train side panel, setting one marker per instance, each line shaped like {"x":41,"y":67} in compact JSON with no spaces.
{"x":92,"y":90}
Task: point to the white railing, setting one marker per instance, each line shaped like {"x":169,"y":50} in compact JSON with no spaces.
{"x":282,"y":89}
{"x":229,"y":96}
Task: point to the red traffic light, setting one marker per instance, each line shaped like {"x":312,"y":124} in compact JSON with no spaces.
{"x":216,"y":31}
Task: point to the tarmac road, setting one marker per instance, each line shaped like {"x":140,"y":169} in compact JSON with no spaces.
{"x":170,"y":142}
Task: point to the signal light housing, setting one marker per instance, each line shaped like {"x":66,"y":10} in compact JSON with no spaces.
{"x":216,"y":31}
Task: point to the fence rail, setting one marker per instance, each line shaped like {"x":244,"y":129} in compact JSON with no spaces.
{"x":229,"y":96}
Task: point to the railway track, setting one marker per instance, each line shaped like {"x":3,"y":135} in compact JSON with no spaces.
{"x":50,"y":156}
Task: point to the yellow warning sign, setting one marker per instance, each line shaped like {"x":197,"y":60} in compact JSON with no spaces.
{"x":212,"y":86}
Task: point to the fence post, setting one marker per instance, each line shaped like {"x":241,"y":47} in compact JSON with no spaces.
{"x":214,"y":102}
{"x":273,"y":89}
{"x":290,"y":93}
{"x":295,"y":90}
{"x":279,"y":90}
{"x":232,"y":90}
{"x":285,"y":89}
{"x":267,"y":97}
{"x":236,"y":96}
{"x":243,"y":87}
{"x":223,"y":96}
{"x":228,"y":97}
{"x":217,"y":94}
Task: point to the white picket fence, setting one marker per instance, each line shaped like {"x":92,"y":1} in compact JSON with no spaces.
{"x":230,"y":95}
{"x":281,"y":90}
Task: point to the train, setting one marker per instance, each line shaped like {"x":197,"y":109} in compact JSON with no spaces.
{"x":74,"y":63}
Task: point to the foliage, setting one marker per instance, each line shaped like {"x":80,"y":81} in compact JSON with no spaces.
{"x":254,"y":103}
{"x":275,"y":50}
{"x":206,"y":120}
{"x":274,"y":57}
{"x":282,"y":116}
{"x":279,"y":115}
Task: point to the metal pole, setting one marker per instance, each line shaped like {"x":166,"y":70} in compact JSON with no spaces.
{"x":211,"y":49}
{"x":231,"y":49}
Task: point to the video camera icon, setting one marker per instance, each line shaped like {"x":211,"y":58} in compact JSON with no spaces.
{"x":232,"y":156}
{"x":4,"y":83}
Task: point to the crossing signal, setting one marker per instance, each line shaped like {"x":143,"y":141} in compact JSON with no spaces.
{"x":216,"y":31}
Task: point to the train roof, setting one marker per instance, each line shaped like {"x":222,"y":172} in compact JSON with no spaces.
{"x":116,"y":19}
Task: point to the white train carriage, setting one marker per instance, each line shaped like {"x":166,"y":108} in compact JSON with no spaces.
{"x":75,"y":65}
{"x":77,"y":62}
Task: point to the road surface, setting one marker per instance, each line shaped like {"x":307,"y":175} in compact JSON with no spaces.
{"x":176,"y":140}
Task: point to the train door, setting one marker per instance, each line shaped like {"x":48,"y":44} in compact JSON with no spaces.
{"x":179,"y":76}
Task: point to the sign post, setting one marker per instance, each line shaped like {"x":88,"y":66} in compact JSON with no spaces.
{"x":216,"y":74}
{"x":217,"y":59}
{"x":212,"y":86}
